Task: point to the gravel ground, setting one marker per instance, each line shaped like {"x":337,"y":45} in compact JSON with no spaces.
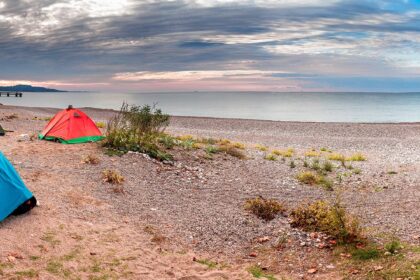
{"x":199,"y":202}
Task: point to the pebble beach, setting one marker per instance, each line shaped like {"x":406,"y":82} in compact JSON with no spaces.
{"x":168,"y":216}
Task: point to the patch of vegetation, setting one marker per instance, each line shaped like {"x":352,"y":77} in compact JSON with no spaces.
{"x":393,"y":246}
{"x":266,"y":209}
{"x":50,"y":238}
{"x":357,"y":157}
{"x":210,"y":264}
{"x":284,"y":153}
{"x":337,"y":157}
{"x":258,"y":272}
{"x":239,"y":145}
{"x":138,"y":129}
{"x":392,"y":172}
{"x":167,"y":141}
{"x":211,"y":149}
{"x":312,"y":153}
{"x":262,"y":148}
{"x":308,"y":177}
{"x":327,"y":166}
{"x":271,"y":157}
{"x":292,"y":164}
{"x":100,"y":124}
{"x":357,"y":171}
{"x":330,"y":219}
{"x":231,"y":150}
{"x":365,"y":253}
{"x":57,"y":268}
{"x":30,"y":273}
{"x":91,"y":159}
{"x":112,"y":177}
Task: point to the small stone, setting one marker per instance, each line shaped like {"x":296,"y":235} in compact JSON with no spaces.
{"x":321,"y":246}
{"x":11,"y":258}
{"x":302,"y":244}
{"x":313,"y":235}
{"x":312,"y":271}
{"x":253,"y":254}
{"x":263,"y":239}
{"x":378,"y":268}
{"x":330,"y":266}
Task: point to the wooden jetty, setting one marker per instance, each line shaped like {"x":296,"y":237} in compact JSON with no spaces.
{"x":10,"y":94}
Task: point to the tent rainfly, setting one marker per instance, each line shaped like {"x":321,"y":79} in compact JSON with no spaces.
{"x":15,"y":198}
{"x":71,"y":126}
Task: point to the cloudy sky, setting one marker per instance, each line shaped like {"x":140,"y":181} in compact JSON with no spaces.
{"x":178,"y":45}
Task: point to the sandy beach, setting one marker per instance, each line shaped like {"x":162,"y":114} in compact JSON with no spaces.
{"x":186,"y":220}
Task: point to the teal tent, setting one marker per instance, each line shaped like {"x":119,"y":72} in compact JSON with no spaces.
{"x":13,"y":192}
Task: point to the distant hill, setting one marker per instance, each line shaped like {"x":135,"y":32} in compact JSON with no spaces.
{"x":29,"y":88}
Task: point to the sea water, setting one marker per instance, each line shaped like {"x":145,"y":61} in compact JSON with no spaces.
{"x":291,"y":106}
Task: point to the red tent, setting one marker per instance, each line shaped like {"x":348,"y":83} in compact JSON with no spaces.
{"x":71,"y":126}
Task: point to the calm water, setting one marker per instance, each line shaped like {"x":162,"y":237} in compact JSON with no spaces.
{"x":317,"y":107}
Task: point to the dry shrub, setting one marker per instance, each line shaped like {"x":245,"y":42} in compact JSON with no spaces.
{"x":312,"y":153}
{"x":239,"y":145}
{"x":260,"y":147}
{"x":112,"y":177}
{"x":231,"y":150}
{"x":285,"y":153}
{"x":337,"y":157}
{"x":100,"y":124}
{"x":91,"y":159}
{"x":357,"y":157}
{"x":266,"y":209}
{"x":308,"y":177}
{"x":330,"y":219}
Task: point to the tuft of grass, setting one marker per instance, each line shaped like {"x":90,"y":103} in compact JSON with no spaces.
{"x":30,"y":273}
{"x":292,"y":164}
{"x":393,"y":246}
{"x":284,"y":153}
{"x":261,"y":147}
{"x":257,"y":272}
{"x":357,"y":171}
{"x":357,"y":157}
{"x":311,"y":178}
{"x":91,"y":159}
{"x":167,"y":141}
{"x":312,"y":153}
{"x":210,"y":264}
{"x":337,"y":157}
{"x":112,"y":177}
{"x":392,"y":172}
{"x":212,"y":150}
{"x":328,"y":166}
{"x":330,"y":219}
{"x":308,"y":177}
{"x":266,"y":209}
{"x":365,"y":254}
{"x":231,"y":150}
{"x":305,"y":163}
{"x":100,"y":124}
{"x":239,"y":145}
{"x":323,"y":149}
{"x":271,"y":157}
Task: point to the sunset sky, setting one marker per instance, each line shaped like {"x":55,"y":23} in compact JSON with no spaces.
{"x":211,"y":45}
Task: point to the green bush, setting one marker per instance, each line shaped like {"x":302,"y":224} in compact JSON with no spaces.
{"x":138,"y":129}
{"x":266,"y":209}
{"x":330,"y":219}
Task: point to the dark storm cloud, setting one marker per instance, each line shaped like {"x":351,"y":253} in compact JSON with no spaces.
{"x":175,"y":36}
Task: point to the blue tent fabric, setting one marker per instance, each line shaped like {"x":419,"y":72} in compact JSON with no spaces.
{"x":13,"y":191}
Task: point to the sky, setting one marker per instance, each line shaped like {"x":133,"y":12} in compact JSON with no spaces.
{"x":211,"y":45}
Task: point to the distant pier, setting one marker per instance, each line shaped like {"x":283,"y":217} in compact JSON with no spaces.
{"x":11,"y":94}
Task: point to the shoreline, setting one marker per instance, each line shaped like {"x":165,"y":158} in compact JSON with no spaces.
{"x":111,"y":111}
